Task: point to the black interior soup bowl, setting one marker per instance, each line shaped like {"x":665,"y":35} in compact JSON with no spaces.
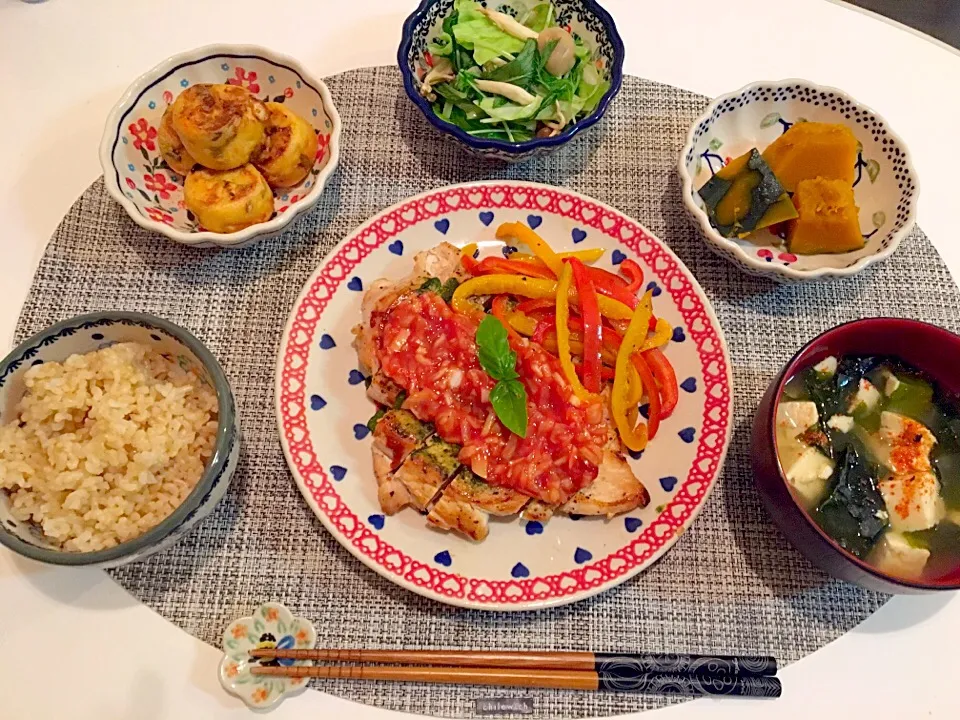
{"x":934,"y":352}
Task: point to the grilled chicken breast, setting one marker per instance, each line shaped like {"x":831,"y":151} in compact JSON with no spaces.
{"x":442,"y":262}
{"x":467,"y":502}
{"x":426,"y":470}
{"x":415,"y":467}
{"x":398,"y":433}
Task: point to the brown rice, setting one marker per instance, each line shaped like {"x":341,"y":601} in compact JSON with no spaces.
{"x":106,"y":445}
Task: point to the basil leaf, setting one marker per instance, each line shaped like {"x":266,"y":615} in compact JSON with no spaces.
{"x":494,"y":351}
{"x":509,"y":400}
{"x":448,"y":289}
{"x":430,"y":285}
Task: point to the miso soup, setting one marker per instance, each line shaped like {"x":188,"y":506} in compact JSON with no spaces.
{"x":872,"y":450}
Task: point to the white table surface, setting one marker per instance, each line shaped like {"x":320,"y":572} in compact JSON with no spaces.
{"x":63,"y":64}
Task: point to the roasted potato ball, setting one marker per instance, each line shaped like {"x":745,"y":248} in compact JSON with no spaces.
{"x":225,"y":201}
{"x":221,"y":126}
{"x":289,"y":148}
{"x":171,"y":147}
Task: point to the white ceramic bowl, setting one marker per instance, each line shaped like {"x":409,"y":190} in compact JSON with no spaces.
{"x":885,"y":187}
{"x":87,"y":333}
{"x":138,"y":178}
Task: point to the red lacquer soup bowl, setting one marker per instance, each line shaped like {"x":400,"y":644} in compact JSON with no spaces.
{"x":932,"y":350}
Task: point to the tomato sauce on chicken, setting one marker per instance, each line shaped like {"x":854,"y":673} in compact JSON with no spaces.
{"x":430,"y":351}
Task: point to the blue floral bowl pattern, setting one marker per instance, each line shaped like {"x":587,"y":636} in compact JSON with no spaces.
{"x":585,"y":18}
{"x":90,"y":332}
{"x":885,"y":182}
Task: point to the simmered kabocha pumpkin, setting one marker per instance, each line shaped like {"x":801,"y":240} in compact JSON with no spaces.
{"x":829,"y":219}
{"x":810,"y":150}
{"x":745,"y":196}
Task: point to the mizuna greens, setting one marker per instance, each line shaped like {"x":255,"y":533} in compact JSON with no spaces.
{"x":505,"y":78}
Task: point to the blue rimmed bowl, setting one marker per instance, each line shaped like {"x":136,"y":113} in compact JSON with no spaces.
{"x":86,"y":333}
{"x":886,"y":187}
{"x":136,"y":176}
{"x":585,"y":18}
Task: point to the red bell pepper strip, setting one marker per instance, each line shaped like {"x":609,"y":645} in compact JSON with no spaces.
{"x":498,"y":308}
{"x":666,"y":378}
{"x":633,"y":273}
{"x":545,"y":325}
{"x":606,"y":373}
{"x":653,"y":395}
{"x":495,"y":265}
{"x":530,"y":306}
{"x":592,"y":325}
{"x":612,"y":286}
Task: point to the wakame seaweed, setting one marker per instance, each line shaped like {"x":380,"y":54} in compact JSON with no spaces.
{"x":853,"y":513}
{"x":832,"y":393}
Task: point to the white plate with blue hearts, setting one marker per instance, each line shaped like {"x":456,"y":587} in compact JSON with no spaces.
{"x":322,"y":408}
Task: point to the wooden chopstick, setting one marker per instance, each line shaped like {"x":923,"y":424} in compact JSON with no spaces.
{"x":652,"y":683}
{"x":617,"y":664}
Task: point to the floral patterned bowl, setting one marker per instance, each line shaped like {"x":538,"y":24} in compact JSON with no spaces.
{"x":270,"y":626}
{"x":885,"y":182}
{"x":584,"y":18}
{"x":152,"y":194}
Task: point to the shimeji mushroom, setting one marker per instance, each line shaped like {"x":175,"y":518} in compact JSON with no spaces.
{"x":509,"y":25}
{"x":511,"y":92}
{"x":442,"y":71}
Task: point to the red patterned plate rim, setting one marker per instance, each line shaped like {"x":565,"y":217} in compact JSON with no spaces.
{"x":533,"y":592}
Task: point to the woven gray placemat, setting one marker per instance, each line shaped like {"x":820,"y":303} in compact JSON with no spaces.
{"x":731,"y":585}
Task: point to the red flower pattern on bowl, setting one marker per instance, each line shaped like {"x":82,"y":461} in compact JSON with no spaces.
{"x":159,"y":184}
{"x":144,"y":135}
{"x":245,"y":79}
{"x":158,"y":215}
{"x":131,"y":184}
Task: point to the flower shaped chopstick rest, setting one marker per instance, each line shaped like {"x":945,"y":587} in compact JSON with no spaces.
{"x":271,"y":625}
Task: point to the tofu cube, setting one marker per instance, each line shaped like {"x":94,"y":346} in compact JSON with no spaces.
{"x":795,"y":417}
{"x":907,"y":443}
{"x":889,"y":382}
{"x":894,"y":555}
{"x":827,"y":366}
{"x":808,"y":473}
{"x":843,"y":423}
{"x":866,"y":398}
{"x":913,"y":501}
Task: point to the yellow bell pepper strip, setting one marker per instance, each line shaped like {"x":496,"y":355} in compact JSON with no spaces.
{"x":590,"y":321}
{"x":523,"y":286}
{"x":563,"y":335}
{"x":520,"y":233}
{"x":469,"y":249}
{"x":584,"y":256}
{"x":635,"y":438}
{"x":660,"y":336}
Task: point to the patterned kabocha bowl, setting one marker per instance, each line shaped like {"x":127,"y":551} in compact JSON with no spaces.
{"x":152,"y":193}
{"x":885,"y":183}
{"x":584,"y":19}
